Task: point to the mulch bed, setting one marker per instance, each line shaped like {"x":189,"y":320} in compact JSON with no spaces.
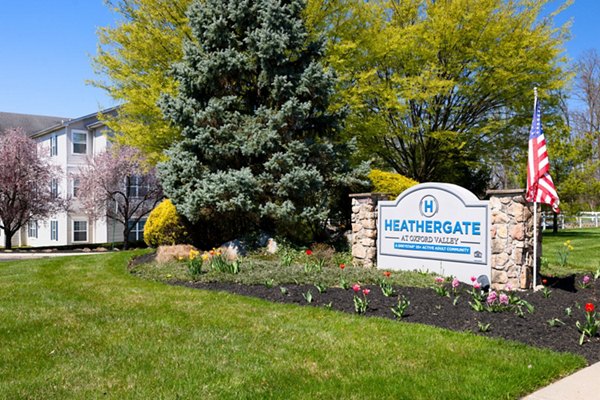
{"x":429,"y":308}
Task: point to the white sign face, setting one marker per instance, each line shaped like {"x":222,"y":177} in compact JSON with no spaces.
{"x":438,"y":227}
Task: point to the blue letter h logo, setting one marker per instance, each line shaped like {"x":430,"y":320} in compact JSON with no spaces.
{"x":428,"y":206}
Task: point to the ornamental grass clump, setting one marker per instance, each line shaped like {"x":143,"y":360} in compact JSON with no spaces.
{"x":591,"y":324}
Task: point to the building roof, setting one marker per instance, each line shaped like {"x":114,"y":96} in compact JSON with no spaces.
{"x":29,"y":123}
{"x":92,"y":119}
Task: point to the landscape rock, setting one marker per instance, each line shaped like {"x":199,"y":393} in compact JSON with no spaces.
{"x":272,"y":246}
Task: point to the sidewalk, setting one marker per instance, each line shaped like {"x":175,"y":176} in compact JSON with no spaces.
{"x":582,"y":385}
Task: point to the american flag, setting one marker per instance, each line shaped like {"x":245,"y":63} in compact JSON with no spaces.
{"x":540,"y":188}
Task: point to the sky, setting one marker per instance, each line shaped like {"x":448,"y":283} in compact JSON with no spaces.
{"x":46,"y":48}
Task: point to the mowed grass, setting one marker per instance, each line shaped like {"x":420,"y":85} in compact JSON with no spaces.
{"x":84,"y":328}
{"x":585,"y":256}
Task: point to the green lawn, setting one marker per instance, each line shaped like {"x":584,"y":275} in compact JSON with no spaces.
{"x":585,"y":256}
{"x":83,"y":328}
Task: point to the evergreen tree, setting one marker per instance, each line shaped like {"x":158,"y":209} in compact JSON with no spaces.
{"x":259,"y":146}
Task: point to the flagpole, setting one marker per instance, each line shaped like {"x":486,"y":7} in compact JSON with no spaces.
{"x":535,"y":224}
{"x":535,"y":244}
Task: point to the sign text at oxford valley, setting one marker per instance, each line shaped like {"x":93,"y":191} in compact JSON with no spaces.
{"x":438,"y":227}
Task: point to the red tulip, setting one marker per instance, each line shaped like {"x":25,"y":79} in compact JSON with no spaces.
{"x":366,"y":291}
{"x":387,"y":274}
{"x":342,"y":266}
{"x":589,"y":307}
{"x":309,"y":252}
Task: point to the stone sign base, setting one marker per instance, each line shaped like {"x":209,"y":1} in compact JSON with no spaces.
{"x":511,"y":235}
{"x":512,"y":239}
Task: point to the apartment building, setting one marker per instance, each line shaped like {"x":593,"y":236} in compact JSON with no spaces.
{"x":69,"y":143}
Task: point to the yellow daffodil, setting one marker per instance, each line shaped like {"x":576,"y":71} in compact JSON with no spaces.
{"x":194,"y":254}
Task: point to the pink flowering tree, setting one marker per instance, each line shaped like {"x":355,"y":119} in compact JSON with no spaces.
{"x":119,"y":185}
{"x":25,"y":184}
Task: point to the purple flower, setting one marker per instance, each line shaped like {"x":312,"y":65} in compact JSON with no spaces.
{"x":503,"y":299}
{"x":586,"y":279}
{"x":455,"y":283}
{"x":439,"y":279}
{"x":492,"y":297}
{"x":508,"y":287}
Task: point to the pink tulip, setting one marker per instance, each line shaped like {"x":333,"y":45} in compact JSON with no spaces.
{"x":356,"y":288}
{"x":366,"y":291}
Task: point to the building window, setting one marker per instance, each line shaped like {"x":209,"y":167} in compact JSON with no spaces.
{"x":136,"y":187}
{"x":79,"y":142}
{"x":32,"y":229}
{"x":80,"y":231}
{"x":53,"y":230}
{"x":136,"y":233}
{"x":54,"y":187}
{"x":53,"y":145}
{"x":75,"y":187}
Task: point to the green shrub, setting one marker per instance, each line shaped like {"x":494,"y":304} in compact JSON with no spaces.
{"x":390,"y":182}
{"x":164,"y":226}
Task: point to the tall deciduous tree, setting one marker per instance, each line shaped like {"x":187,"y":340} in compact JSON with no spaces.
{"x":25,"y":184}
{"x":438,"y":88}
{"x":133,"y":58}
{"x":117,"y":184}
{"x":260,"y":147}
{"x":582,"y":186}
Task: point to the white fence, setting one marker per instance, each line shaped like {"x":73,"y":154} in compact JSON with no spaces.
{"x":581,"y":220}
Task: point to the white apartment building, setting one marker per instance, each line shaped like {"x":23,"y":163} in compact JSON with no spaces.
{"x":70,"y":143}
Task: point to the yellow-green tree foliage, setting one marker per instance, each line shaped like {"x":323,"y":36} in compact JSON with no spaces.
{"x":390,"y":182}
{"x":135,"y":57}
{"x":438,"y":89}
{"x":164,"y":226}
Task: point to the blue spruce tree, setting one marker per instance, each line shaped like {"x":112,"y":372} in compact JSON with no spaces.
{"x":259,"y":147}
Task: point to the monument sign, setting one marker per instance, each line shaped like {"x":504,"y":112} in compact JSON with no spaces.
{"x":438,"y":227}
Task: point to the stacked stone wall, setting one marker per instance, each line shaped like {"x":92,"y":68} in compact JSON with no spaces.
{"x":364,"y":227}
{"x":512,"y":239}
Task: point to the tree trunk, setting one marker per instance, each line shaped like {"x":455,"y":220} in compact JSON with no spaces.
{"x":7,"y":239}
{"x":555,"y":223}
{"x":126,"y":237}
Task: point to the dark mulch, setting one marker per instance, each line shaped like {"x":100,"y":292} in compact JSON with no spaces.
{"x":429,"y":308}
